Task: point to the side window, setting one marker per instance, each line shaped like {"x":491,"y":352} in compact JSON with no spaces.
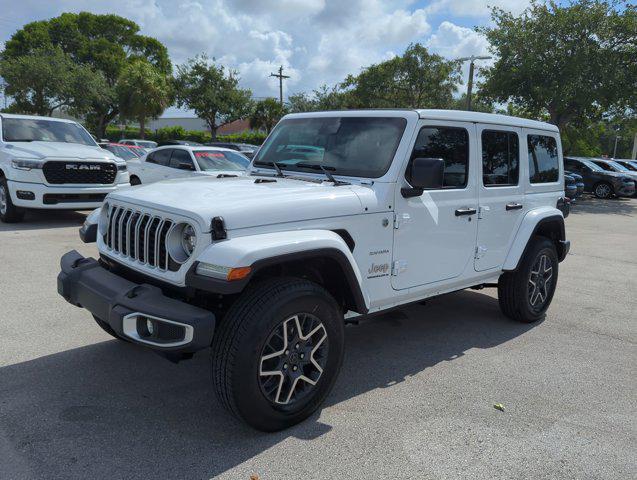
{"x":160,"y":157}
{"x":500,"y":158}
{"x":179,"y":157}
{"x":452,"y":145}
{"x":543,"y":159}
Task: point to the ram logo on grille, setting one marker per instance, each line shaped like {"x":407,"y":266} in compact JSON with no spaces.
{"x":80,"y":166}
{"x":139,"y":236}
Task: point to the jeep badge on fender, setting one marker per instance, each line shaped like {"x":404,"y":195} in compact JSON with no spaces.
{"x":340,"y":213}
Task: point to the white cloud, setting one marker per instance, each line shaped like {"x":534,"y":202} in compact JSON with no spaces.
{"x":476,"y":8}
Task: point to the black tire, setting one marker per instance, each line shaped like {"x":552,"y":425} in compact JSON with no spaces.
{"x":243,"y":338}
{"x":517,"y":295}
{"x":107,"y":328}
{"x":134,"y":180}
{"x":603,"y":190}
{"x":9,"y":213}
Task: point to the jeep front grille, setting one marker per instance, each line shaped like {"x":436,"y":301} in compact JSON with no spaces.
{"x":60,"y":172}
{"x":139,"y":236}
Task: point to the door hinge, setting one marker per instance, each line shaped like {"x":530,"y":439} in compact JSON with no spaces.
{"x":397,"y":267}
{"x":400,"y":219}
{"x":480,"y":251}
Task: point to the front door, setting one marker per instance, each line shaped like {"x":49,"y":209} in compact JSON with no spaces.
{"x":500,"y":192}
{"x":435,"y":233}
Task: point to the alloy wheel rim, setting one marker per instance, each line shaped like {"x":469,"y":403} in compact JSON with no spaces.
{"x":603,"y":190}
{"x":293,"y":359}
{"x":540,"y":281}
{"x":3,"y":200}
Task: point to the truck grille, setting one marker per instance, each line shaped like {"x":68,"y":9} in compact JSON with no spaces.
{"x":79,"y":172}
{"x":139,"y":236}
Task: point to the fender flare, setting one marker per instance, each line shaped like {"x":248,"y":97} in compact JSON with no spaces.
{"x":268,"y":249}
{"x":530,"y":225}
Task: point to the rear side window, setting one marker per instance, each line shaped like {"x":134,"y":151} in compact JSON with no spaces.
{"x":452,"y":145}
{"x":160,"y":157}
{"x":500,"y":158}
{"x":179,"y":157}
{"x":543,"y":159}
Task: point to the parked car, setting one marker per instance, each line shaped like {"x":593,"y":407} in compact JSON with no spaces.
{"x":178,"y":161}
{"x":629,"y":164}
{"x":613,"y":166}
{"x":125,"y":152}
{"x":579,"y":182}
{"x":245,"y":148}
{"x":145,"y":144}
{"x":600,"y":182}
{"x":180,"y":142}
{"x":50,"y":163}
{"x":265,"y":267}
{"x":570,"y":187}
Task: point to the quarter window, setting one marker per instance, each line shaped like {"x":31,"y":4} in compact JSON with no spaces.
{"x":500,"y":158}
{"x":180,"y":157}
{"x":452,"y":145}
{"x":160,"y":157}
{"x":543,"y":159}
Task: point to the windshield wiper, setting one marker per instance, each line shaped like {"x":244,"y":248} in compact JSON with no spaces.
{"x":20,"y":140}
{"x":279,"y":172}
{"x":325,"y":169}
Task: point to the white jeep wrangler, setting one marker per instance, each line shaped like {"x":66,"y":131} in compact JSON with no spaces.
{"x":50,"y":163}
{"x":341,"y":214}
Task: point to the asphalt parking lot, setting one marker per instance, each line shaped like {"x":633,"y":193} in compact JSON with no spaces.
{"x":414,"y":399}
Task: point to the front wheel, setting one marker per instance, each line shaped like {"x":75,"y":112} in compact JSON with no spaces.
{"x":277,"y":353}
{"x":134,"y":180}
{"x":9,"y":213}
{"x":603,"y":190}
{"x":525,"y":295}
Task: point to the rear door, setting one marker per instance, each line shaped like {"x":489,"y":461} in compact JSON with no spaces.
{"x":156,"y":168}
{"x":181,"y":164}
{"x":500,"y":193}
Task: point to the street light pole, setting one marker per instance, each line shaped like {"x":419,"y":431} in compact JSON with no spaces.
{"x":280,"y":76}
{"x":472,"y":59}
{"x":615,"y":149}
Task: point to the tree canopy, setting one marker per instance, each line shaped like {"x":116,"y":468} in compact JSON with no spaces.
{"x":265,"y":114}
{"x":574,"y":61}
{"x":211,"y":92}
{"x":106,"y":43}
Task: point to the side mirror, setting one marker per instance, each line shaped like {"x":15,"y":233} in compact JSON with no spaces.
{"x":185,"y":166}
{"x":423,"y":174}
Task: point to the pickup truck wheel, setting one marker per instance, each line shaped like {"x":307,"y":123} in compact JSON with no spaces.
{"x":134,"y":180}
{"x":277,"y":353}
{"x":525,"y":295}
{"x":603,"y":190}
{"x":9,"y":213}
{"x":107,"y":328}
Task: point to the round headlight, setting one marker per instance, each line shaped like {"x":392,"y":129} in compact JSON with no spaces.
{"x":188,"y":239}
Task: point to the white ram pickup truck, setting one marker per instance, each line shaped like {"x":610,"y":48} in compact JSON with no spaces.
{"x":341,"y":214}
{"x":51,"y":163}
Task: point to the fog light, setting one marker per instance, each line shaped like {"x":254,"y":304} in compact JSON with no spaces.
{"x":25,"y":195}
{"x":150,"y":326}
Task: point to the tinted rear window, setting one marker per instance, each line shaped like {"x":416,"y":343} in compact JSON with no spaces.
{"x":543,"y":159}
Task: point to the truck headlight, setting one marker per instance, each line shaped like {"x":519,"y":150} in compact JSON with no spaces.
{"x":181,"y":242}
{"x":24,"y":164}
{"x":121,"y":167}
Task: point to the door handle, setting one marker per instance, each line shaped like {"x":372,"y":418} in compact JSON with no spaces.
{"x":514,"y":206}
{"x":466,"y":211}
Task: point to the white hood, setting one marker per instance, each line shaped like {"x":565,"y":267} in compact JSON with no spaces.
{"x":243,"y":203}
{"x":67,"y":151}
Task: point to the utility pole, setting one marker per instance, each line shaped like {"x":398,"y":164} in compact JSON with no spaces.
{"x":634,"y":155}
{"x":617,"y":137}
{"x":280,"y":76}
{"x":472,"y":59}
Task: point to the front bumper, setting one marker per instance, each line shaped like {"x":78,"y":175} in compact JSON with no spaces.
{"x":625,"y":189}
{"x":127,"y":307}
{"x":37,"y":195}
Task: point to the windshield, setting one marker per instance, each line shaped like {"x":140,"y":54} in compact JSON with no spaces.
{"x":41,"y":130}
{"x":353,"y":146}
{"x":618,"y":167}
{"x":630,"y":166}
{"x":146,"y":144}
{"x":592,"y":165}
{"x":121,"y":152}
{"x":211,"y":160}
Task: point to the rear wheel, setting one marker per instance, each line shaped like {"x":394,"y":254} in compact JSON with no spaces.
{"x":277,"y":353}
{"x":525,"y":295}
{"x":9,"y":213}
{"x":603,"y":190}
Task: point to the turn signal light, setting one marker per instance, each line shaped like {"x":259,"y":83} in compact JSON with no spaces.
{"x":238,"y":273}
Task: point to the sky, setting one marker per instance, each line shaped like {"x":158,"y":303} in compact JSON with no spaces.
{"x":316,"y":41}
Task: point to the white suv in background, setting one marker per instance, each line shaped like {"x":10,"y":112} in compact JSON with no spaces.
{"x":53,"y":163}
{"x":180,"y":161}
{"x":147,"y":145}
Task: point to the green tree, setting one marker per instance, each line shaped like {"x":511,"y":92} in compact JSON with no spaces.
{"x":143,"y":92}
{"x":416,"y":79}
{"x":568,"y":61}
{"x":47,"y":80}
{"x":479,"y":103}
{"x":266,"y":114}
{"x":104,"y":42}
{"x":213,"y":94}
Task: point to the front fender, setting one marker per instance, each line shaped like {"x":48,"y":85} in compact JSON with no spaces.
{"x":530,"y":224}
{"x":258,"y":251}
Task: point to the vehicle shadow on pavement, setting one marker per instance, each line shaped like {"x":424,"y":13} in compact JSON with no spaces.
{"x":115,"y":410}
{"x":614,"y":206}
{"x":46,"y":219}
